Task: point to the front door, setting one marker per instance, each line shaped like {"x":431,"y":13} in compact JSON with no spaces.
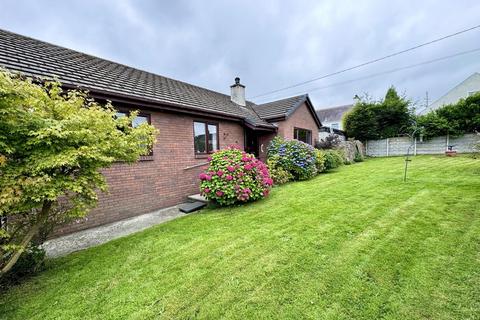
{"x":251,"y":142}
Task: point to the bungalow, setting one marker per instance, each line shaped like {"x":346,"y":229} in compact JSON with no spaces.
{"x":192,"y":121}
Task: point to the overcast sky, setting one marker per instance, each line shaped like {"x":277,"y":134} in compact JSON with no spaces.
{"x":268,"y":44}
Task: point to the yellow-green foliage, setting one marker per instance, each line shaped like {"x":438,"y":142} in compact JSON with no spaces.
{"x":277,"y":172}
{"x":53,"y":144}
{"x":320,"y":161}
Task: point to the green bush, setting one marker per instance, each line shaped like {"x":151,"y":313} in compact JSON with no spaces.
{"x":235,"y":176}
{"x":294,"y":156}
{"x":453,"y":119}
{"x":358,"y":157}
{"x":277,"y":172}
{"x":54,"y":145}
{"x":30,"y":262}
{"x":333,"y":159}
{"x":320,"y":161}
{"x":386,"y":118}
{"x":342,"y":153}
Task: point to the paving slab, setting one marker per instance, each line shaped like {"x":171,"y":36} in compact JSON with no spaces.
{"x":95,"y":236}
{"x":197,"y":197}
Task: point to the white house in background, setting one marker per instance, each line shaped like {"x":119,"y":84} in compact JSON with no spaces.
{"x":331,"y":119}
{"x":466,"y":88}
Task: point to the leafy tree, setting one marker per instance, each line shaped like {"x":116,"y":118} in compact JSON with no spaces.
{"x":393,"y":114}
{"x":379,"y":119}
{"x":454,"y":119}
{"x":361,"y":121}
{"x":53,"y":144}
{"x":433,"y":125}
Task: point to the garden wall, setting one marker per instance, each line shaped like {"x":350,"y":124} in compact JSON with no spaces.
{"x":398,"y":146}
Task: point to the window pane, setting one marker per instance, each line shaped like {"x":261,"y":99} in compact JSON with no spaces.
{"x":212,"y":138}
{"x":139,"y":120}
{"x":303,"y":135}
{"x":335,"y":125}
{"x":199,"y":138}
{"x":120,"y":114}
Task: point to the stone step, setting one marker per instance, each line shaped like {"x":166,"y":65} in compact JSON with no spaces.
{"x":197,"y":197}
{"x":191,"y":206}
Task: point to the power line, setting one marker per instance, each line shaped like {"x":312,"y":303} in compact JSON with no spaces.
{"x":367,"y":63}
{"x":388,"y":71}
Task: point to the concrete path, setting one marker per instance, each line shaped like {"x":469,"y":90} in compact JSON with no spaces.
{"x":95,"y":236}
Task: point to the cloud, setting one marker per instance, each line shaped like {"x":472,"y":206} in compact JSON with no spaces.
{"x":269,"y":44}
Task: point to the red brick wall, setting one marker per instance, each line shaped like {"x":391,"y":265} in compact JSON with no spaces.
{"x":160,"y":182}
{"x":301,"y":118}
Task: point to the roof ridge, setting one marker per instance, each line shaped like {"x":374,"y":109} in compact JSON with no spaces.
{"x":452,"y":88}
{"x":292,"y":97}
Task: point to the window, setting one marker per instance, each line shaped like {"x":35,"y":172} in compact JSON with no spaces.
{"x":138,"y":120}
{"x":205,"y":137}
{"x":335,"y":126}
{"x":303,"y":135}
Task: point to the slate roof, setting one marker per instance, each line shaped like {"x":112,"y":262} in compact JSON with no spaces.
{"x":279,"y":108}
{"x":333,"y":114}
{"x":284,"y":108}
{"x":36,"y":58}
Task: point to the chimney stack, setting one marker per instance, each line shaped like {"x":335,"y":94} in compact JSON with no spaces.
{"x":238,"y":92}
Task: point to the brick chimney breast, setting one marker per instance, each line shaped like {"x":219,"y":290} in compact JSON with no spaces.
{"x":238,"y":93}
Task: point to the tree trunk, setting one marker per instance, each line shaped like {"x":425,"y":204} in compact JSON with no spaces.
{"x":42,"y":218}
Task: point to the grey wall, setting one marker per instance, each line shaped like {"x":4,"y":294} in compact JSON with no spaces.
{"x":398,"y":146}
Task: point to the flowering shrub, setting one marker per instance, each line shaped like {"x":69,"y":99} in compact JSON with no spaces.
{"x":320,"y":161}
{"x":295,"y":156}
{"x":235,"y":176}
{"x":277,"y":172}
{"x":333,"y":159}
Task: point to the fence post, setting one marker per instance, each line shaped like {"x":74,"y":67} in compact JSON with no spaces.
{"x":447,"y":142}
{"x":415,"y":146}
{"x":366,"y":147}
{"x":387,"y":148}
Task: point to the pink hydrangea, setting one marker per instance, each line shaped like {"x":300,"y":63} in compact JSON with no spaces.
{"x":268,"y":181}
{"x":204,"y":176}
{"x":235,"y":168}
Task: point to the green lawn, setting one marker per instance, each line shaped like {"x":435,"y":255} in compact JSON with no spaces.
{"x":357,"y":243}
